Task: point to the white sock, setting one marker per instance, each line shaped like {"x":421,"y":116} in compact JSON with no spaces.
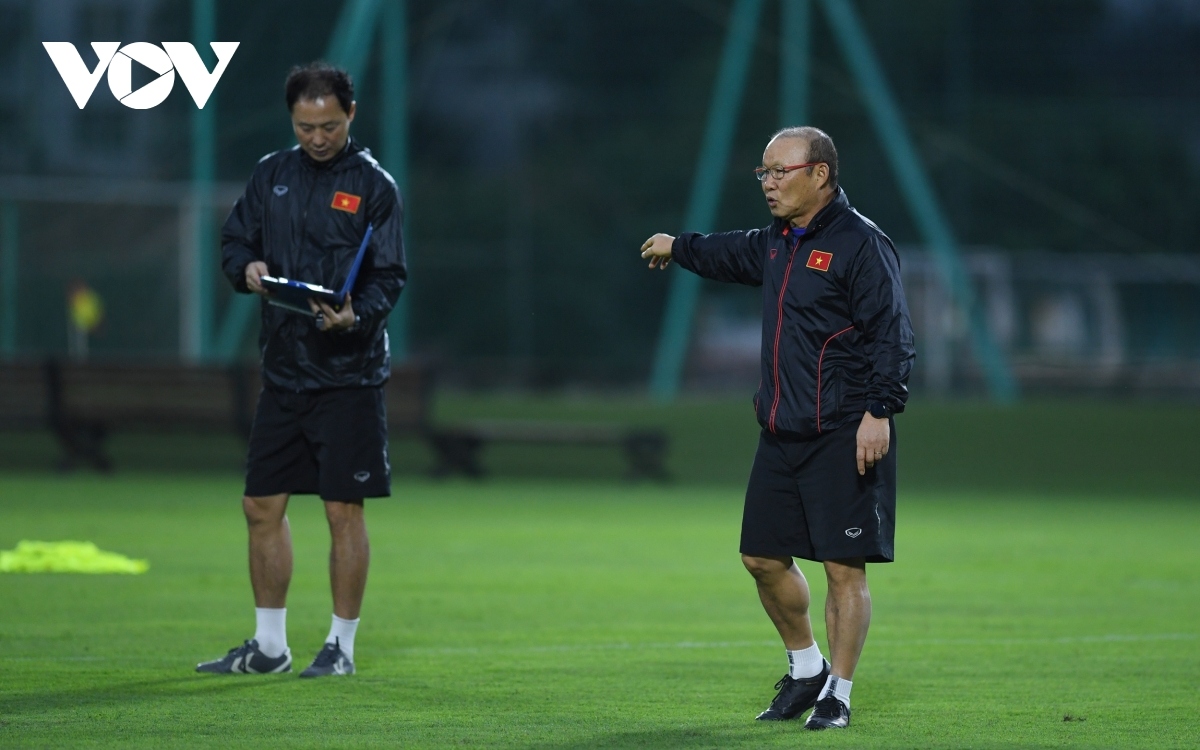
{"x":839,"y":687}
{"x":805,"y":663}
{"x":271,"y":631}
{"x":343,"y":631}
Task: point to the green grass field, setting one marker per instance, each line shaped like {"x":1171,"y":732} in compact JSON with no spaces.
{"x":578,"y":611}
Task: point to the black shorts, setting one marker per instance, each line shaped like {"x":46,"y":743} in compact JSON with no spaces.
{"x":805,"y":499}
{"x":329,"y":443}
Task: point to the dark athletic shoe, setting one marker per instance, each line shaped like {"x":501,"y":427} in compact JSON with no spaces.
{"x":330,"y":661}
{"x":830,"y":713}
{"x":247,"y":659}
{"x":795,"y":696}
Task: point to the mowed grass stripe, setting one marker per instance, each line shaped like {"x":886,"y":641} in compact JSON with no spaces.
{"x":559,"y":614}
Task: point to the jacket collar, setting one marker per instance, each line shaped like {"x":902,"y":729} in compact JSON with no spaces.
{"x":823,"y":218}
{"x":340,"y":161}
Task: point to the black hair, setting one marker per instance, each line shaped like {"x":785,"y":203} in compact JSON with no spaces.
{"x":319,"y":79}
{"x":820,"y":148}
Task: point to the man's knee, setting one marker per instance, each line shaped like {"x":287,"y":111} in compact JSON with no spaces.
{"x":766,"y":568}
{"x":343,"y":515}
{"x":850,"y":574}
{"x":261,"y":511}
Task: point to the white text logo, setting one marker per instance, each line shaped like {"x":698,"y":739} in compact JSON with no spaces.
{"x":118,"y":61}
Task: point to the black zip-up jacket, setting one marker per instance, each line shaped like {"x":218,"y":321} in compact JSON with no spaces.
{"x":836,"y":331}
{"x":306,"y":220}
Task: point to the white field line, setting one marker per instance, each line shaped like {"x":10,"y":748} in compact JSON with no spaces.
{"x":884,"y":643}
{"x":566,"y":648}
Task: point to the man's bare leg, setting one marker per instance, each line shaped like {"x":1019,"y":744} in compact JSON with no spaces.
{"x":847,"y":613}
{"x":270,"y":549}
{"x":349,"y":557}
{"x":784,"y":595}
{"x":270,"y":575}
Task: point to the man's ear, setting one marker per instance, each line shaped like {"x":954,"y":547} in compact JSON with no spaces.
{"x":350,"y":114}
{"x":823,"y":171}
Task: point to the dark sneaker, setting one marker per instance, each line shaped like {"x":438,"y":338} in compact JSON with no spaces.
{"x":330,"y":660}
{"x":830,"y":713}
{"x":795,"y":696}
{"x":247,"y":659}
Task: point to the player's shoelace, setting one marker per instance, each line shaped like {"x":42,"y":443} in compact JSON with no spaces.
{"x":828,"y":707}
{"x":328,"y":654}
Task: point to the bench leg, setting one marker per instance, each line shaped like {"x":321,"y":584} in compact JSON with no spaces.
{"x":83,"y":442}
{"x":456,"y":453}
{"x":646,"y":452}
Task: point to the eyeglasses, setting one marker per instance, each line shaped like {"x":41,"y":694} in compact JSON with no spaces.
{"x":760,"y":173}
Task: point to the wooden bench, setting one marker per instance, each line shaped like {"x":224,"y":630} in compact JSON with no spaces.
{"x":89,"y":401}
{"x":458,"y":447}
{"x":24,"y":396}
{"x":84,"y":402}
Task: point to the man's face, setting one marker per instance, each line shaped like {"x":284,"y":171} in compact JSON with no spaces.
{"x":797,"y":193}
{"x":321,"y":126}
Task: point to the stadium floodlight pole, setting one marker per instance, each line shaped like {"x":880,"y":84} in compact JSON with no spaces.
{"x":723,"y":113}
{"x":917,"y":191}
{"x":394,"y":41}
{"x":196,"y":326}
{"x":350,"y":44}
{"x":794,"y":39}
{"x":349,"y":47}
{"x":9,"y":247}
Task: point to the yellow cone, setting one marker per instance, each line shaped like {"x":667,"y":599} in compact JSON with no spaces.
{"x":66,"y":557}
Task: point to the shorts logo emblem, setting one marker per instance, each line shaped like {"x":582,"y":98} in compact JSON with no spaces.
{"x":774,"y":252}
{"x":854,"y":532}
{"x":363,"y":476}
{"x":280,"y":190}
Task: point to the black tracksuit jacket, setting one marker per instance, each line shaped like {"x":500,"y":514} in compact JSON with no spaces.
{"x":836,"y":331}
{"x":287,"y":217}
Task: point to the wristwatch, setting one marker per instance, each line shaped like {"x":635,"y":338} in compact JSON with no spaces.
{"x":879,"y":410}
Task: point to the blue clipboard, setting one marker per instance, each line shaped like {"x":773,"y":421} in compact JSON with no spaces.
{"x":294,"y":295}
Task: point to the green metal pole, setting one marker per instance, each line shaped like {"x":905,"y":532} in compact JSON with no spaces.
{"x":349,"y":47}
{"x":394,"y":42}
{"x":918,"y":192}
{"x":794,"y":40}
{"x":9,"y":239}
{"x":706,"y":194}
{"x":204,"y":23}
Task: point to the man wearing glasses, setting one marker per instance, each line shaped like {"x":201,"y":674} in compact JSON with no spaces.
{"x":836,"y":354}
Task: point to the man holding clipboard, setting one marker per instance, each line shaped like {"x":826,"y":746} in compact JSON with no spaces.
{"x":314,"y":218}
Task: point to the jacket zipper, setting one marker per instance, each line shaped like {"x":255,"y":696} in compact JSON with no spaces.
{"x":778,"y":330}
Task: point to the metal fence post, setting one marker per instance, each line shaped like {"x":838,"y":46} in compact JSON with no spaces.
{"x":9,"y":249}
{"x":794,"y":40}
{"x":198,"y":342}
{"x":706,"y":194}
{"x":917,"y":191}
{"x":394,"y":43}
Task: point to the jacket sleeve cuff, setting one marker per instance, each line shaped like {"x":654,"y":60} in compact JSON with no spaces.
{"x":681,"y":251}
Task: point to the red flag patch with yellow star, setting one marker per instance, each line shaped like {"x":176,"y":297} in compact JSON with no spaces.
{"x":346,"y":202}
{"x":819,"y":260}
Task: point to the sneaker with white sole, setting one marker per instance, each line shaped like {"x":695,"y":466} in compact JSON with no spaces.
{"x":331,"y":660}
{"x":830,"y":713}
{"x":247,"y":659}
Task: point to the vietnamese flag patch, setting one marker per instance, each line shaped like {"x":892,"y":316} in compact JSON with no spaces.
{"x":819,"y":260}
{"x":346,"y":202}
